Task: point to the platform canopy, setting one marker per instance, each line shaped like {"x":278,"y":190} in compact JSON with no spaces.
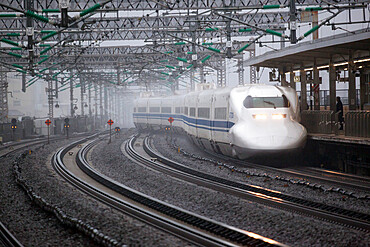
{"x":337,"y":47}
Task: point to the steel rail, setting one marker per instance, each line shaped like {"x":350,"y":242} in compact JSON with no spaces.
{"x":8,"y":239}
{"x":171,"y":225}
{"x":319,"y":174}
{"x":301,"y":173}
{"x":258,"y":194}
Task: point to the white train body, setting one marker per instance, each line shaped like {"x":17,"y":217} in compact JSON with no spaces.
{"x":240,"y":122}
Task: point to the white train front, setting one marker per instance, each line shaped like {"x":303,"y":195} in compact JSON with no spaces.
{"x":240,"y":122}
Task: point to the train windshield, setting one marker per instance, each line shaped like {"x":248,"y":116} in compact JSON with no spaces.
{"x":265,"y":102}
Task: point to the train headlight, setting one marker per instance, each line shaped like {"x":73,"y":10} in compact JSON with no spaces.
{"x":278,"y":116}
{"x":260,"y":116}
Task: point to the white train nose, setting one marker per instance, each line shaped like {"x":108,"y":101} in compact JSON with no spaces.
{"x":283,"y":137}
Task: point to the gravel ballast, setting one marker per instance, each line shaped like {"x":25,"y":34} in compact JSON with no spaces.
{"x":25,"y":216}
{"x":285,"y":227}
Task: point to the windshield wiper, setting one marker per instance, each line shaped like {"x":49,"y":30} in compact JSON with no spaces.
{"x":270,"y":103}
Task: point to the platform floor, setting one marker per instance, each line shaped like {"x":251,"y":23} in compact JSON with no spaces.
{"x":341,"y":138}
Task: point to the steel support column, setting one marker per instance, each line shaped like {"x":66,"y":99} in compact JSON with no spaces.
{"x":82,"y":85}
{"x":119,"y":107}
{"x":96,"y":88}
{"x":50,"y":98}
{"x":332,"y":85}
{"x":3,"y":96}
{"x":240,"y":70}
{"x":201,"y":73}
{"x":192,"y":82}
{"x":105,"y":104}
{"x":221,"y":73}
{"x":71,"y":95}
{"x":291,"y":79}
{"x":364,"y":89}
{"x":252,"y":69}
{"x":316,"y":83}
{"x":282,"y":71}
{"x":303,"y":88}
{"x":89,"y":100}
{"x":101,"y":103}
{"x":352,"y":83}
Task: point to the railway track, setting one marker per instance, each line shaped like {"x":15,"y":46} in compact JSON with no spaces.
{"x":307,"y":173}
{"x":335,"y":178}
{"x":6,"y":237}
{"x":181,"y":223}
{"x":273,"y":198}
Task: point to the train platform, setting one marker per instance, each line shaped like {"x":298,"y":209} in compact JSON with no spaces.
{"x":341,"y":138}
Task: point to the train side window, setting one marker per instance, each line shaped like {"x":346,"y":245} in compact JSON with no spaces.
{"x":203,"y":112}
{"x":134,"y":109}
{"x":220,"y":113}
{"x":178,"y":110}
{"x":166,"y":110}
{"x":141,"y":109}
{"x":192,"y":112}
{"x":186,"y":111}
{"x":154,"y":109}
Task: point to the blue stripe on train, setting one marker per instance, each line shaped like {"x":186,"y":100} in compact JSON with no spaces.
{"x":193,"y":122}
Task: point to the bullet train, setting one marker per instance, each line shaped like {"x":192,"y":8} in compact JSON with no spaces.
{"x":241,"y":122}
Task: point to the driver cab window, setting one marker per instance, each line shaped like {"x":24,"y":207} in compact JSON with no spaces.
{"x":265,"y":102}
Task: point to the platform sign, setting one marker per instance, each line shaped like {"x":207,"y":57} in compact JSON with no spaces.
{"x":48,"y":122}
{"x":110,"y":122}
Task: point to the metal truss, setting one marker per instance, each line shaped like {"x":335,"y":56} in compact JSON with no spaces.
{"x":149,"y":5}
{"x":147,"y":28}
{"x":161,"y":24}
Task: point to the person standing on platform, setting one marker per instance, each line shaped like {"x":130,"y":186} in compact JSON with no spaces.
{"x":340,"y":112}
